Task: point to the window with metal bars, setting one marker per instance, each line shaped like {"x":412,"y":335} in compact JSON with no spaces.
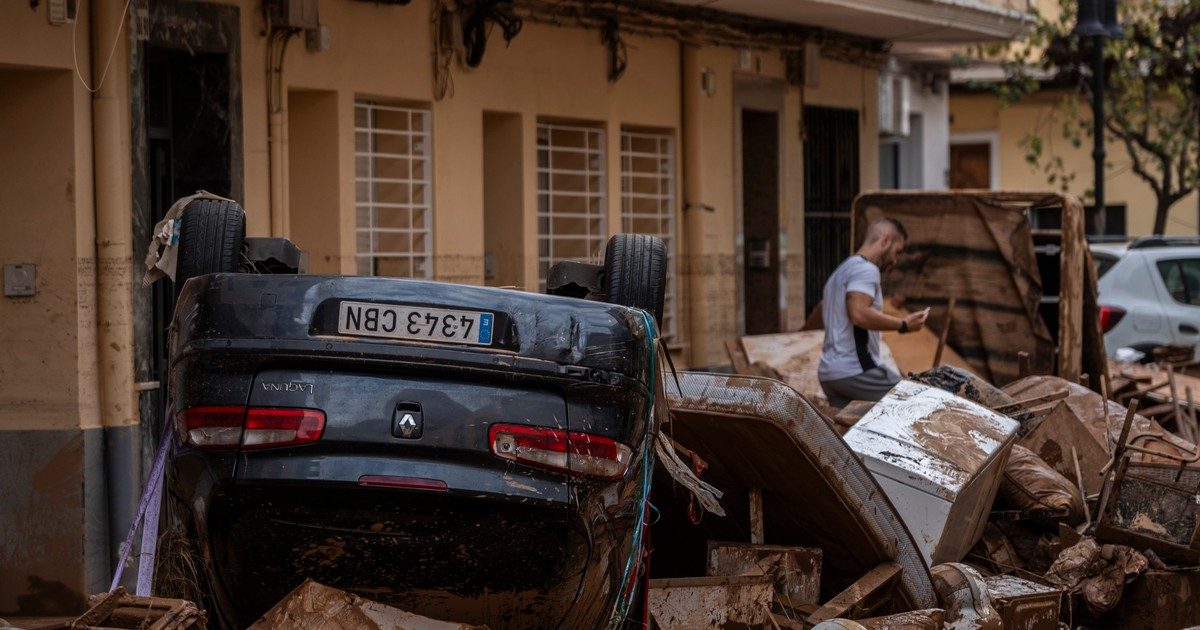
{"x":572,"y":203}
{"x":393,"y":195}
{"x":648,"y":203}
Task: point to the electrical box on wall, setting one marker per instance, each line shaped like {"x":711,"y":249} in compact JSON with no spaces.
{"x":318,"y":39}
{"x":300,"y":14}
{"x":61,"y":12}
{"x":20,"y":280}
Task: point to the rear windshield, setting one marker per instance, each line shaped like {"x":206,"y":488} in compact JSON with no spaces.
{"x":1104,"y":262}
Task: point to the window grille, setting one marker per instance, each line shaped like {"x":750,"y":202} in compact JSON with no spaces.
{"x":648,"y":203}
{"x":572,"y":203}
{"x":393,"y":195}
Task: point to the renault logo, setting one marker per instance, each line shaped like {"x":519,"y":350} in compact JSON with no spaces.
{"x":407,"y":421}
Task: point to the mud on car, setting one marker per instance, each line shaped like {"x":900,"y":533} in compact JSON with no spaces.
{"x":467,"y":453}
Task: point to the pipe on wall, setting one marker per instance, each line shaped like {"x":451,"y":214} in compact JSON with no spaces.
{"x":277,"y":148}
{"x":114,"y":265}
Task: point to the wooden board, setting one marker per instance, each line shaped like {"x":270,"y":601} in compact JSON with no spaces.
{"x":1052,"y":439}
{"x":795,"y":357}
{"x":913,"y":352}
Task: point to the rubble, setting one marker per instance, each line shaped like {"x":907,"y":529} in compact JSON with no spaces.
{"x":1102,"y":418}
{"x":314,"y":606}
{"x":762,"y":439}
{"x":1031,"y":484}
{"x":1024,"y":604}
{"x":119,"y":609}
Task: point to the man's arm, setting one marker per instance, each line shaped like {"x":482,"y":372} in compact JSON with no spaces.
{"x":863,"y":314}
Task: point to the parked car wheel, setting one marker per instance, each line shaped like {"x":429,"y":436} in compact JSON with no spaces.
{"x":211,"y":237}
{"x":635,"y":272}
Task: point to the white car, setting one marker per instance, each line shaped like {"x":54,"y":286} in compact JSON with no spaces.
{"x":1149,"y":292}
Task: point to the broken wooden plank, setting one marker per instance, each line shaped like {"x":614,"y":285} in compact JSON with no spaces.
{"x":737,"y":356}
{"x":1138,"y":393}
{"x":937,"y":356}
{"x":1072,"y":261}
{"x":1032,"y":401}
{"x":853,"y":595}
{"x":853,"y":412}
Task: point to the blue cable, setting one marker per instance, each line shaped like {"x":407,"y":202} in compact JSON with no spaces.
{"x":621,"y":607}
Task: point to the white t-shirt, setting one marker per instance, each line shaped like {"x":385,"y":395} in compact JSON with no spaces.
{"x":849,"y":350}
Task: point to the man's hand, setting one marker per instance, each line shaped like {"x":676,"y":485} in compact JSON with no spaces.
{"x":916,"y":321}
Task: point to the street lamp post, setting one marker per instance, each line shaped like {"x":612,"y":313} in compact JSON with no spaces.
{"x":1097,"y":20}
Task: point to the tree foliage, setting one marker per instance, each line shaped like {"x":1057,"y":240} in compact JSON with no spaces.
{"x":1152,"y":96}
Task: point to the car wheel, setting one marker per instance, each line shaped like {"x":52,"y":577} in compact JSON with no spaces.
{"x":210,"y":241}
{"x":635,"y":272}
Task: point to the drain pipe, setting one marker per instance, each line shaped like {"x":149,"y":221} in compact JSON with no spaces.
{"x":277,"y":124}
{"x":112,"y":155}
{"x":277,"y":145}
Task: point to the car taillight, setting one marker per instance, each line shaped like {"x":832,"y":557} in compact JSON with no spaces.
{"x":1109,"y":317}
{"x":568,"y":451}
{"x":268,"y":427}
{"x":213,"y":427}
{"x":228,"y":426}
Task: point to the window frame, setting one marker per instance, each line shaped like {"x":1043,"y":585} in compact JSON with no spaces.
{"x":419,"y":136}
{"x":1189,"y":299}
{"x":666,"y":195}
{"x":546,"y":154}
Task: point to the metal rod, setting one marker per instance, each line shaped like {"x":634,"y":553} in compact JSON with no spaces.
{"x":1087,"y":512}
{"x":1098,"y":129}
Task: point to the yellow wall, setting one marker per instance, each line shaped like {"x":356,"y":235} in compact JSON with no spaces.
{"x":975,"y":113}
{"x":47,"y":369}
{"x":383,"y":52}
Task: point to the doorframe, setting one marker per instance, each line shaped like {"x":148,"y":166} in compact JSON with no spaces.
{"x":759,"y":94}
{"x":990,"y":138}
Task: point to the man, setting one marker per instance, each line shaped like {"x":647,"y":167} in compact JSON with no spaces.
{"x":850,"y":367}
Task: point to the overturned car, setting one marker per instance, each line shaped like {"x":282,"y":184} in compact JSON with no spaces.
{"x":466,"y":453}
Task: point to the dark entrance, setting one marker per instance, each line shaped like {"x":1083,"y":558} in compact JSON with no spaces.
{"x":760,"y":220}
{"x":186,"y":137}
{"x":188,"y":145}
{"x":830,"y":185}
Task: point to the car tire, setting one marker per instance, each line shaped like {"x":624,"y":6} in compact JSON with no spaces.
{"x":211,"y":236}
{"x":635,"y":273}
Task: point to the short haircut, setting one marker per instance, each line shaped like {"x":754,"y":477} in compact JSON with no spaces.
{"x":879,"y":228}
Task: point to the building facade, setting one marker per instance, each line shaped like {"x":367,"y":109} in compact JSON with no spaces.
{"x":382,"y":142}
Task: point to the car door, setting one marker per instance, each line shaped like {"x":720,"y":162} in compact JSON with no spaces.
{"x":1181,"y":281}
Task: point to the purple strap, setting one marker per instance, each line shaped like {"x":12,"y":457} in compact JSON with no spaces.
{"x":148,"y":507}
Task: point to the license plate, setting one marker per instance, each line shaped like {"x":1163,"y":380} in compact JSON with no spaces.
{"x":416,"y":323}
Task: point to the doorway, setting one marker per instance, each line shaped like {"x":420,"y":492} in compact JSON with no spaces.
{"x":188,"y":149}
{"x":760,"y":221}
{"x":831,"y":181}
{"x":187,"y":136}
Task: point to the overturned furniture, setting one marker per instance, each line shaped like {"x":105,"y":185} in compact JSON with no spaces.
{"x":940,"y":459}
{"x":1015,"y":289}
{"x":788,"y":480}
